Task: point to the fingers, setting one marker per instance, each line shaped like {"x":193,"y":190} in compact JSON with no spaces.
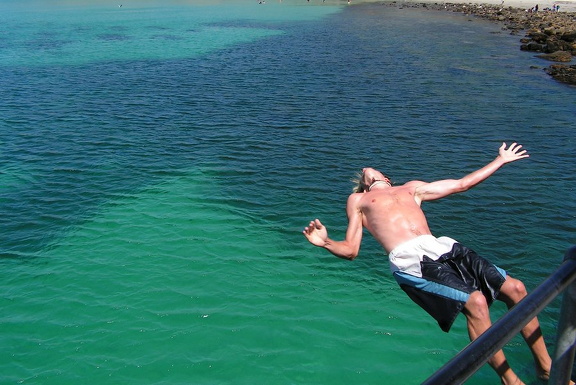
{"x":514,"y":147}
{"x":310,"y":228}
{"x":313,"y":225}
{"x":515,"y":150}
{"x":522,"y":154}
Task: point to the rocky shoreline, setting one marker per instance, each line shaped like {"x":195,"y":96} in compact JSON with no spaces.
{"x":551,"y":33}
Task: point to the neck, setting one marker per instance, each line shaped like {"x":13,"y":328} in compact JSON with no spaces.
{"x":378,"y":182}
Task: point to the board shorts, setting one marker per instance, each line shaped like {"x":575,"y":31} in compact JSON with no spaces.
{"x":439,"y":274}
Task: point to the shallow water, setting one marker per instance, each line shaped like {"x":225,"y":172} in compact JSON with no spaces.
{"x":159,"y":161}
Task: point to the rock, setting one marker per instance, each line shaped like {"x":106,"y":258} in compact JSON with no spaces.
{"x":549,"y":31}
{"x":569,"y":37}
{"x":563,"y":73}
{"x":554,"y":45}
{"x":532,"y":46}
{"x":558,"y":56}
{"x":538,"y":37}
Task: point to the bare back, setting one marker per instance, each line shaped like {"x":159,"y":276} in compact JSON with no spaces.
{"x":393,"y":215}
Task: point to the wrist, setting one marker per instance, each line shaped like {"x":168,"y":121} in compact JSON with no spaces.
{"x":500,"y":161}
{"x":327,"y":244}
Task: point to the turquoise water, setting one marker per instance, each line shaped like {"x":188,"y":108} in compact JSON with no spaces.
{"x":160,"y":159}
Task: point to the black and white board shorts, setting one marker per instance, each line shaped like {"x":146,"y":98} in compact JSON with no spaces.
{"x":439,"y":274}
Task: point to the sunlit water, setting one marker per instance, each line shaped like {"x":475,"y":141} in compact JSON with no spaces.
{"x":159,"y":161}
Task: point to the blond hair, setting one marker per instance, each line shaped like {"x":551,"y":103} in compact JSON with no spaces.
{"x":359,"y":186}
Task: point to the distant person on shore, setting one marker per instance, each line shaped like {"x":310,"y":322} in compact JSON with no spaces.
{"x":441,"y":275}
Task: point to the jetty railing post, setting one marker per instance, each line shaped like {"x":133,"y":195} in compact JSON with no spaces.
{"x":563,"y":358}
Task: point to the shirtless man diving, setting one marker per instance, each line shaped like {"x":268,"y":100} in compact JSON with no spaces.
{"x":419,"y":261}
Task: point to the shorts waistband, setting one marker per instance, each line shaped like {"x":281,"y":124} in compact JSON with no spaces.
{"x":409,"y":244}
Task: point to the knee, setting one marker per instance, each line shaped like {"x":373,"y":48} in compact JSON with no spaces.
{"x":477,"y":306}
{"x":515,"y":289}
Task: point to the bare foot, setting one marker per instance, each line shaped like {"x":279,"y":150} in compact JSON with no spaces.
{"x":543,"y":374}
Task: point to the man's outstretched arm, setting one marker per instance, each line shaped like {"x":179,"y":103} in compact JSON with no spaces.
{"x":317,"y":234}
{"x":440,"y":189}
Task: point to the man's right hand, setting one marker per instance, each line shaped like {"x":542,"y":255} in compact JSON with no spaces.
{"x":316,"y":233}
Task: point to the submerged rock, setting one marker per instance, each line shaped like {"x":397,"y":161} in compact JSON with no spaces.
{"x":563,"y":73}
{"x":558,"y":56}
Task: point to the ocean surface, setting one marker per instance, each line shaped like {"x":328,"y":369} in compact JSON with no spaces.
{"x":159,"y":160}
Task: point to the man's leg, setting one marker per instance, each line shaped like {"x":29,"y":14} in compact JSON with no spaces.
{"x":478,"y":317}
{"x":511,"y":292}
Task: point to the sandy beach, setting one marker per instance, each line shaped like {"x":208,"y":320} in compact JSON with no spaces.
{"x":565,"y":5}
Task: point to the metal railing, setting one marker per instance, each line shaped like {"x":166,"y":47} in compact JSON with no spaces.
{"x":475,"y":355}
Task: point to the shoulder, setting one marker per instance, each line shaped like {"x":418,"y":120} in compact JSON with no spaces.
{"x":416,"y":188}
{"x":355,"y":197}
{"x":355,"y":201}
{"x":354,"y":210}
{"x":414,"y":184}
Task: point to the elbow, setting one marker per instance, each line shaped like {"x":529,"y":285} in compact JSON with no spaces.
{"x":343,"y":250}
{"x":351,"y":256}
{"x":462,"y":186}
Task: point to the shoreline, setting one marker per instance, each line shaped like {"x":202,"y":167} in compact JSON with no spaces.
{"x":550,"y":34}
{"x":565,"y":5}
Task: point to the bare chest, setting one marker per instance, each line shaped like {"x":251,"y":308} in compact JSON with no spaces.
{"x":385,"y":201}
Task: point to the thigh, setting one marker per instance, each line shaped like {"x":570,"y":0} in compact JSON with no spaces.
{"x":441,"y":301}
{"x":479,"y":273}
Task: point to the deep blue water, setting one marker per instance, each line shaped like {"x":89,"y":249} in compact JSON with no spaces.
{"x":159,"y":161}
